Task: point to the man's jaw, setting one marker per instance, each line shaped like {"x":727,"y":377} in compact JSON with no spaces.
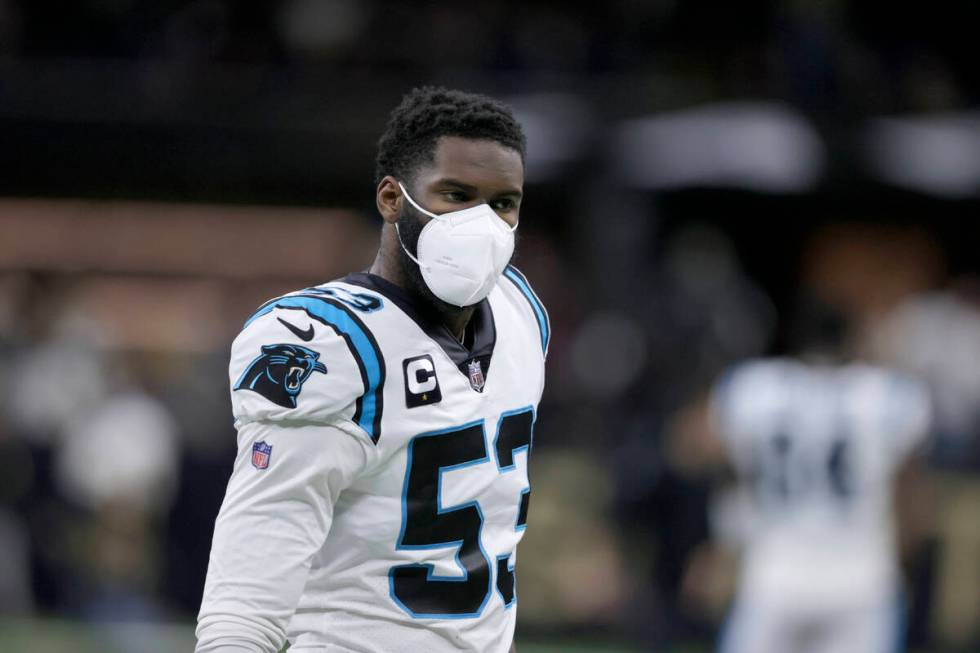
{"x":412,"y":274}
{"x":420,"y":290}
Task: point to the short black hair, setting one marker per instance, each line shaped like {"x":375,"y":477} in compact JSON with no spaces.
{"x":430,"y":112}
{"x":820,"y":327}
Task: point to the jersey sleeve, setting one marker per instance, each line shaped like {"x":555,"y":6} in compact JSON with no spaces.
{"x":906,"y":415}
{"x":728,"y":410}
{"x":304,"y":358}
{"x":276,"y":515}
{"x":302,"y":386}
{"x":742,"y":404}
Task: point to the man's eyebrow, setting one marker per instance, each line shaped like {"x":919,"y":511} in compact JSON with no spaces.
{"x":462,"y":185}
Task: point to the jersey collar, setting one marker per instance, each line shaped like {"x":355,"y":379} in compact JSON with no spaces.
{"x":481,"y":325}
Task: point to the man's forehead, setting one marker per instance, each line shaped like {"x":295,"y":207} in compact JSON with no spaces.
{"x":479,"y":159}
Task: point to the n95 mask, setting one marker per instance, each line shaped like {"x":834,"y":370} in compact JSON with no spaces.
{"x":462,"y":253}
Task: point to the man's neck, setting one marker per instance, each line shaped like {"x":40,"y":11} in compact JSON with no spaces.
{"x":455,"y":319}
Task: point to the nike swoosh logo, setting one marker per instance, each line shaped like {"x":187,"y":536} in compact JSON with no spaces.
{"x":305,"y":336}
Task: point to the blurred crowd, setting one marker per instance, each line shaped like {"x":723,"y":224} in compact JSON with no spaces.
{"x":827,"y":55}
{"x":117,"y":440}
{"x":669,"y":243}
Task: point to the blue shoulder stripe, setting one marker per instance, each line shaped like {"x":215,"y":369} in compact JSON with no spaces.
{"x":540,"y":313}
{"x":362,"y":345}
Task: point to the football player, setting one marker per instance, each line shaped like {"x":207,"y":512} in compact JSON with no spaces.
{"x":818,"y":443}
{"x":385,"y":419}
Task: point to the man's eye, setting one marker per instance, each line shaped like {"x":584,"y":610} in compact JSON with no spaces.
{"x":503,"y":205}
{"x":455,"y":196}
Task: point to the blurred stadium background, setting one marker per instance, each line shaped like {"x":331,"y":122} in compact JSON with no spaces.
{"x":696,"y":168}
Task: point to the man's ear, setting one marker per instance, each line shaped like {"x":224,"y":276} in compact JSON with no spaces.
{"x":389,"y":199}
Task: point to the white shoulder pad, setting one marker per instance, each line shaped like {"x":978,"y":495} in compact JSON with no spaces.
{"x":747,"y":395}
{"x":307,"y":357}
{"x":900,"y":406}
{"x":519,"y":283}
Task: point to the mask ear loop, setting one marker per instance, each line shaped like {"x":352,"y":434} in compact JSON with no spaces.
{"x":402,"y":243}
{"x":399,"y":231}
{"x":415,"y":204}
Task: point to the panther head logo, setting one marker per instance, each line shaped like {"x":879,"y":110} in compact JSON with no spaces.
{"x":279,"y":373}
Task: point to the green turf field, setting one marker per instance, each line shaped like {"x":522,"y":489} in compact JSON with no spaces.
{"x":54,"y":636}
{"x":51,"y":636}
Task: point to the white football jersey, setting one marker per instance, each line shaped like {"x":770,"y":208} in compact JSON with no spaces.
{"x":816,"y":448}
{"x":381,"y":485}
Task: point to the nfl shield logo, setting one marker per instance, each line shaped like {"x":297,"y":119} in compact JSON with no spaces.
{"x":261,"y":452}
{"x":476,"y":375}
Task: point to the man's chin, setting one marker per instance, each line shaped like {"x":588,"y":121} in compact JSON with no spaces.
{"x":423,"y":294}
{"x":442,"y":307}
{"x":420,"y":290}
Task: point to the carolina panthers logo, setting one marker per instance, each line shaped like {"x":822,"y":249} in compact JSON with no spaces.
{"x":280,"y":372}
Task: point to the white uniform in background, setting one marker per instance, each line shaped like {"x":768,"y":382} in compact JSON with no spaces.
{"x":816,"y":448}
{"x":381,"y":485}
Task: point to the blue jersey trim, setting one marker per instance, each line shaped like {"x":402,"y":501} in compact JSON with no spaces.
{"x":363,"y":347}
{"x":540,"y":313}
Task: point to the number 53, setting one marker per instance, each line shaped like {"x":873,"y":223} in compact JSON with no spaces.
{"x":427,"y":524}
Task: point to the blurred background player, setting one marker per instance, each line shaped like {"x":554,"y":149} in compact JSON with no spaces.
{"x":818,"y":443}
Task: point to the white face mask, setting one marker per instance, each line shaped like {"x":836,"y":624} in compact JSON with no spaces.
{"x":462,"y":253}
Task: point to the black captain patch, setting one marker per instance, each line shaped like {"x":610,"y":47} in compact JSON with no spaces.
{"x":421,"y":383}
